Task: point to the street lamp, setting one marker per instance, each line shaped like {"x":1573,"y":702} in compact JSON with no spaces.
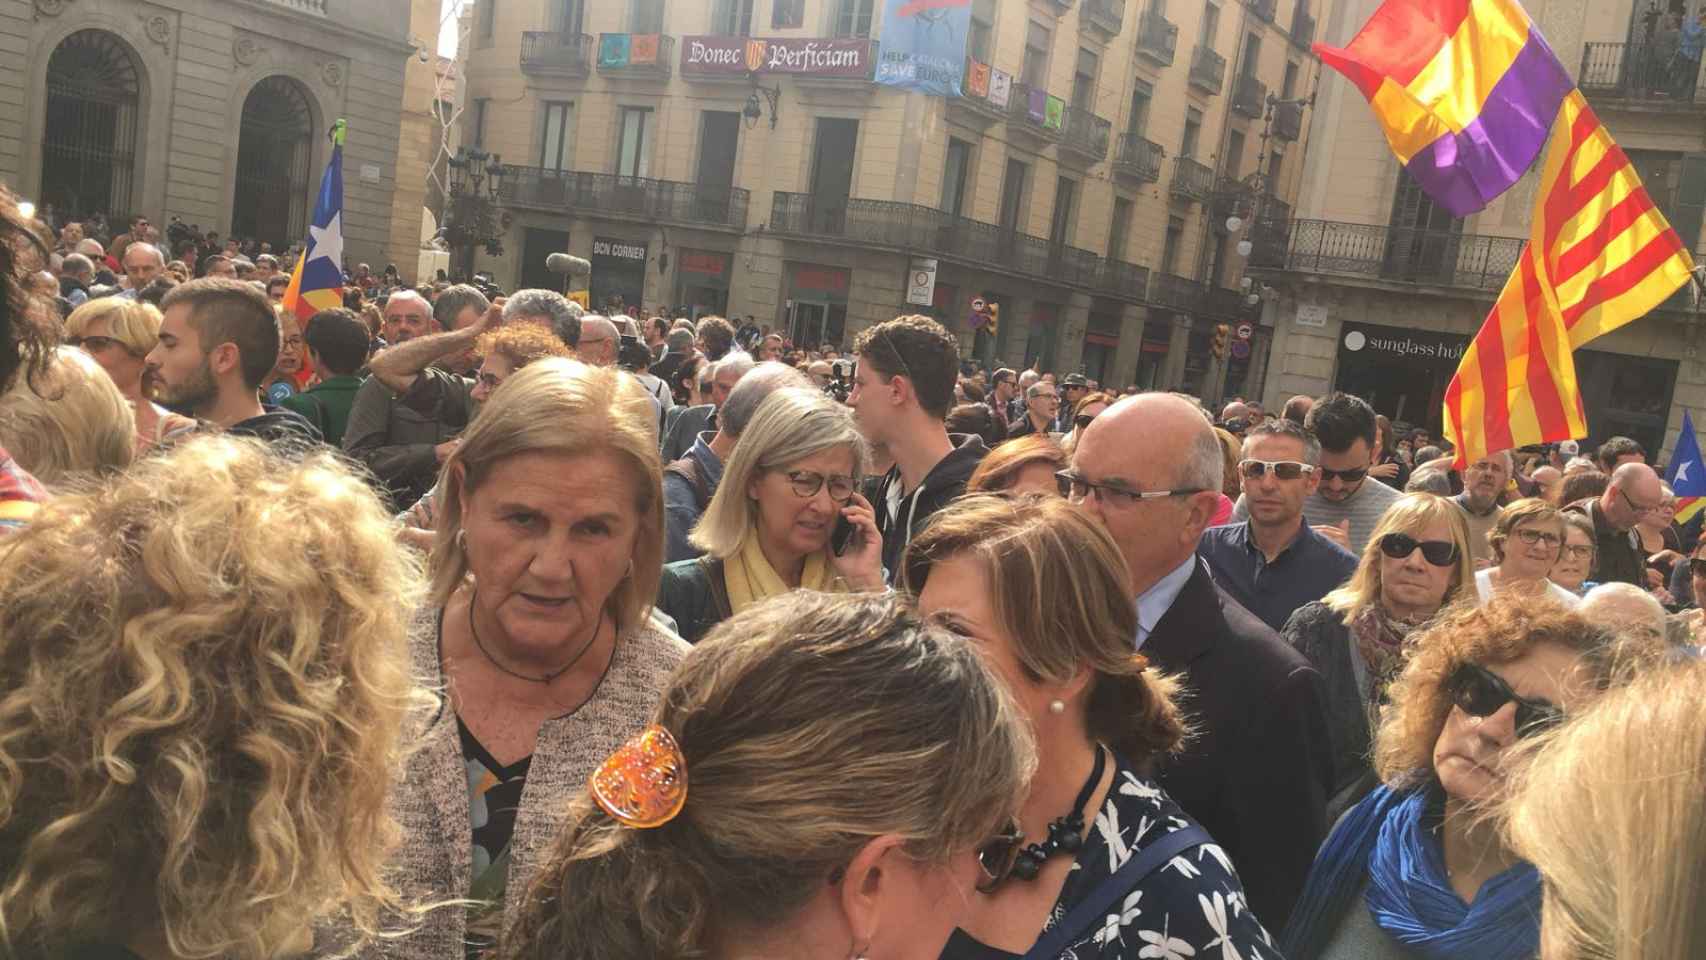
{"x":475,"y":218}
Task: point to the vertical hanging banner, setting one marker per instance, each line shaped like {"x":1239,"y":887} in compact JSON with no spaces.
{"x":923,"y":45}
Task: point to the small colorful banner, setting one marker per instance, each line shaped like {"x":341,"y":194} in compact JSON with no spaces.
{"x":1687,"y":473}
{"x":613,"y":50}
{"x":1000,"y":88}
{"x":1036,"y":106}
{"x":977,"y":79}
{"x":1054,"y":114}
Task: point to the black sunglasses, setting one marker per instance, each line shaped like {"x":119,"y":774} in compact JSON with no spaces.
{"x":1348,"y":476}
{"x":1083,"y":420}
{"x":1480,"y":692}
{"x":1398,"y":546}
{"x":997,"y":856}
{"x":1697,"y":566}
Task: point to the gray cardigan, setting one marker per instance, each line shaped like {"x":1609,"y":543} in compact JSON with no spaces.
{"x":434,"y":862}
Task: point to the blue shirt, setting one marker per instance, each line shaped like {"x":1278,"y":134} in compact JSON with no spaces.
{"x":680,"y":505}
{"x":1305,"y":571}
{"x":1153,"y":604}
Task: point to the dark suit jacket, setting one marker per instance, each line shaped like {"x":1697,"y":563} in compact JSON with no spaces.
{"x":1257,"y":772}
{"x":682,"y":426}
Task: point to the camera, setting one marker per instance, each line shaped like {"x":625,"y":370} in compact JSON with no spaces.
{"x":840,"y":380}
{"x":633,"y":355}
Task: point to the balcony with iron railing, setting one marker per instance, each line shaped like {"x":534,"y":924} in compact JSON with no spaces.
{"x":1157,"y":37}
{"x":1302,"y":26}
{"x":1439,"y":258}
{"x":1264,"y":9}
{"x":1173,"y":292}
{"x":1221,"y":303}
{"x":636,"y":55}
{"x":1643,"y":75}
{"x":1107,"y":16}
{"x":556,"y":54}
{"x":1208,"y":69}
{"x":1139,"y":158}
{"x":1023,"y":118}
{"x":1288,"y":120}
{"x":1249,"y":97}
{"x":1126,"y":280}
{"x":635,"y":198}
{"x":1085,"y":135}
{"x":910,"y":227}
{"x":1192,"y":180}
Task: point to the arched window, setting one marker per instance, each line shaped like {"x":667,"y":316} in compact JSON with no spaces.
{"x":274,"y":150}
{"x":88,"y":153}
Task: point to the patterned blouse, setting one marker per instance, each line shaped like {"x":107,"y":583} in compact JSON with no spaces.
{"x":1192,"y":907}
{"x":20,"y":494}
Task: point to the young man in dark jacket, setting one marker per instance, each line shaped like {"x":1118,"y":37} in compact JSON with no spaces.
{"x":337,"y":344}
{"x":903,"y":387}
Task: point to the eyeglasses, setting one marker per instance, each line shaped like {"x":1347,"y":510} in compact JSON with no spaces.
{"x":1697,"y":566}
{"x":806,"y":484}
{"x":1282,"y":469}
{"x":997,"y":856}
{"x":93,"y":344}
{"x":1078,"y":488}
{"x":1047,"y":396}
{"x":1440,"y":553}
{"x":1636,"y":508}
{"x":490,"y":380}
{"x":293,"y":342}
{"x":1348,"y":476}
{"x":1578,"y":551}
{"x":1531,"y":537}
{"x":1480,"y":692}
{"x":1083,"y":420}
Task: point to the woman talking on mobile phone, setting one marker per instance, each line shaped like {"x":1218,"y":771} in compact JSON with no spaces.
{"x":772,"y":526}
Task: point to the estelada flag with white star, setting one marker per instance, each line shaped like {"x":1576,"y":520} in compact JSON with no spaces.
{"x":317,"y":283}
{"x":1687,"y":473}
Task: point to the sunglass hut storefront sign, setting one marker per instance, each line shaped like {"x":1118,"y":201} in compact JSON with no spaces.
{"x":1363,"y":343}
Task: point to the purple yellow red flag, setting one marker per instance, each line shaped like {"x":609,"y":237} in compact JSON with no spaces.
{"x":317,"y":283}
{"x":1599,"y":255}
{"x":1465,"y":91}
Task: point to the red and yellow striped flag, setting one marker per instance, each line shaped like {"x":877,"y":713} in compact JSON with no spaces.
{"x":1599,"y":255}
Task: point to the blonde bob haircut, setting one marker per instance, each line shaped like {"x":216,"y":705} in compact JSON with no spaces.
{"x":1529,"y":510}
{"x":1410,"y":514}
{"x":1609,"y":808}
{"x":70,"y":423}
{"x":203,"y":684}
{"x":791,"y":424}
{"x":1058,"y":584}
{"x":811,"y":724}
{"x":564,"y":407}
{"x":133,"y":323}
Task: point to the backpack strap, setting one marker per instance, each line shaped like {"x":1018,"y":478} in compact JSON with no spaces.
{"x":1088,"y":914}
{"x":687,"y":469}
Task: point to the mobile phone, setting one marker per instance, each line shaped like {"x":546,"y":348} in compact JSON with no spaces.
{"x":841,"y":536}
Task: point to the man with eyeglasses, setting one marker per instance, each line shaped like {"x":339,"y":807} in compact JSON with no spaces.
{"x":1149,"y":469}
{"x":1073,"y":388}
{"x":1634,"y":491}
{"x":1344,"y":507}
{"x":1042,"y":404}
{"x":1273,"y":562}
{"x":1483,"y":482}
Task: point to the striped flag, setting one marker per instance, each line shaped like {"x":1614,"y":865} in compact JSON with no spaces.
{"x":317,"y":283}
{"x":1599,"y":255}
{"x":1687,"y":473}
{"x":1465,"y":91}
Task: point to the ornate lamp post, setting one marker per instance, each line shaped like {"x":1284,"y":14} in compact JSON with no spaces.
{"x":475,"y":217}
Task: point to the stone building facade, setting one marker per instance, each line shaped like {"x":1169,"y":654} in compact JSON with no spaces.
{"x":214,"y":111}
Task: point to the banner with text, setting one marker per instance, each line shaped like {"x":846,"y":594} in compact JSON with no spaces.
{"x":809,"y":56}
{"x":924,"y":45}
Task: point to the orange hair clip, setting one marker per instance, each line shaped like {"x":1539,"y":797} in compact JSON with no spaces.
{"x":644,"y":783}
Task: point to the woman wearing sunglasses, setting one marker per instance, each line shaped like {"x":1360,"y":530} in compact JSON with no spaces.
{"x":118,"y":334}
{"x":1416,"y":562}
{"x":786,"y":516}
{"x":1418,"y":868}
{"x":1526,"y":541}
{"x":1086,"y":410}
{"x":1101,"y":862}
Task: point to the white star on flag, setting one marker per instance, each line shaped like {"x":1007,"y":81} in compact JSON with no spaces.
{"x":329,"y":241}
{"x":1682,"y":472}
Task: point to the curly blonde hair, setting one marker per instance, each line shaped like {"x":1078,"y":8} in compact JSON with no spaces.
{"x":1503,"y":629}
{"x":521,"y":344}
{"x":69,"y":424}
{"x":205,"y":677}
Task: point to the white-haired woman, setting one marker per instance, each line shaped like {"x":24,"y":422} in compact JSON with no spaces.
{"x":770,"y":527}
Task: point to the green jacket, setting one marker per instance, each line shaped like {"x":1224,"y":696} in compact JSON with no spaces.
{"x":692,"y":593}
{"x":326,"y":405}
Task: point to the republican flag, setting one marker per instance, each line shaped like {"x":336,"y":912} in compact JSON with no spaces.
{"x":1465,"y":91}
{"x":317,"y":283}
{"x":1687,"y":473}
{"x":1599,"y":255}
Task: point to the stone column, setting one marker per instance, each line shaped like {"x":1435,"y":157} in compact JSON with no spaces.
{"x":1013,"y":330}
{"x":1173,"y":371}
{"x":1124,"y":368}
{"x":1074,"y":322}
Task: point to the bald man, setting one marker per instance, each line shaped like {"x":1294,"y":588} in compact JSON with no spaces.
{"x":599,"y":341}
{"x":1634,"y":492}
{"x":1546,"y":481}
{"x":1257,"y":774}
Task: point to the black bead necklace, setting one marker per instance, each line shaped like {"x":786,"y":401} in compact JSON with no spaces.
{"x":1065,"y":834}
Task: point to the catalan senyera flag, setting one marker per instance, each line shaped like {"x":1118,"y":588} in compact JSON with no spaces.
{"x":1599,"y":255}
{"x":1465,"y":91}
{"x":1687,"y":473}
{"x":317,"y":283}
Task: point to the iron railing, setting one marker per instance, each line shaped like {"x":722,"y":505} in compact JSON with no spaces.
{"x":910,"y":226}
{"x":1264,"y":9}
{"x":1288,"y":120}
{"x":659,"y":64}
{"x":1086,"y":134}
{"x":1249,"y":97}
{"x":637,"y":197}
{"x":1640,"y":71}
{"x":1108,"y":15}
{"x":566,"y":54}
{"x":1192,"y":180}
{"x":1123,"y":279}
{"x":1302,"y":26}
{"x":1139,"y":157}
{"x":1221,"y":302}
{"x":1174,"y":292}
{"x":1208,"y":69}
{"x":1157,"y":37}
{"x":1400,"y":254}
{"x":1019,"y":114}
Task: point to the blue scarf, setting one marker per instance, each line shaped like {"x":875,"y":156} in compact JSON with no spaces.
{"x":1387,"y":840}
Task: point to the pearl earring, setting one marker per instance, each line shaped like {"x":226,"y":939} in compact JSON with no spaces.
{"x":1056,"y":706}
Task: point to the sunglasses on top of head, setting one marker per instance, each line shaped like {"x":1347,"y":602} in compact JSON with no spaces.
{"x":1480,"y":692}
{"x":1398,"y":546}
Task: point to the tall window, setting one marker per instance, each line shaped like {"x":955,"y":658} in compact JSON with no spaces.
{"x":1013,"y":193}
{"x":1276,"y":164}
{"x":1038,"y":38}
{"x":1210,"y":24}
{"x":633,"y":144}
{"x":954,"y":177}
{"x":555,"y":133}
{"x":980,"y":41}
{"x":564,"y":16}
{"x":1288,"y":87}
{"x":479,"y":121}
{"x":1120,"y":229}
{"x":488,"y":14}
{"x":645,"y":16}
{"x":1084,"y":80}
{"x":732,"y":18}
{"x":1234,"y":160}
{"x":788,"y":14}
{"x":1170,"y":249}
{"x":1193,"y":133}
{"x":853,"y":18}
{"x":1252,"y":55}
{"x":1060,"y":226}
{"x":1137,"y":121}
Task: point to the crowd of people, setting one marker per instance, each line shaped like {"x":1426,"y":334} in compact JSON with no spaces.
{"x":455,"y":625}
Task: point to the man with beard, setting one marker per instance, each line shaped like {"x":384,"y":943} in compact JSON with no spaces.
{"x":1483,"y":482}
{"x":218,"y":341}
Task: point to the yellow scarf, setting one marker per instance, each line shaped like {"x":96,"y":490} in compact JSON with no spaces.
{"x":749,"y":577}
